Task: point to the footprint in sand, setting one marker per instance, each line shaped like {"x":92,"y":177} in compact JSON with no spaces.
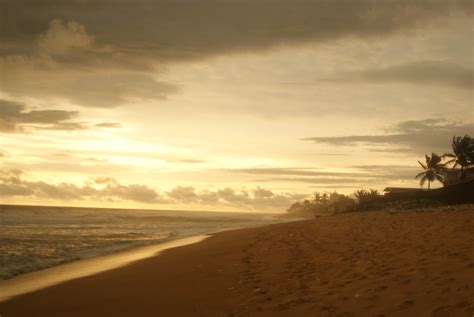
{"x":381,"y":288}
{"x":406,"y":304}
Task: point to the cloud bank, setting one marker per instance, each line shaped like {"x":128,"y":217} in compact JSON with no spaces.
{"x":113,"y":50}
{"x":191,"y":29}
{"x":108,"y":189}
{"x":65,"y":62}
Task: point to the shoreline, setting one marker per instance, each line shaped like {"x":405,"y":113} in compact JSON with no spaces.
{"x":354,"y":264}
{"x":83,"y":267}
{"x":43,"y":278}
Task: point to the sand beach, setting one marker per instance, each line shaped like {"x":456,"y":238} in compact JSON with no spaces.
{"x":380,"y":263}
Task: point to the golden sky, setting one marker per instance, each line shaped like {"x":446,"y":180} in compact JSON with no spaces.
{"x":226,"y":105}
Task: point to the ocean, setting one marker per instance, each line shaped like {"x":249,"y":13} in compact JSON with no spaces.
{"x":37,"y":237}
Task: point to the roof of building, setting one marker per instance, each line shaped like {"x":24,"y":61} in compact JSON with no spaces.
{"x":458,"y":170}
{"x":402,"y":189}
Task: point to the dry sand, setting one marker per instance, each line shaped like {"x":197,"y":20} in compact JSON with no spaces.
{"x":355,"y":264}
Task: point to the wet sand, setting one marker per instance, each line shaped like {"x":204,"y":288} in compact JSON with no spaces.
{"x":355,"y":264}
{"x":29,"y":282}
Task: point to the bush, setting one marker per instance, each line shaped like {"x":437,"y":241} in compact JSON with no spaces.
{"x":322,"y":203}
{"x":369,"y":199}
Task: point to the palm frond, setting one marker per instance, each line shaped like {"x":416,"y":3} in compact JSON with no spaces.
{"x":427,"y":159}
{"x":435,"y":159}
{"x":420,"y":174}
{"x":439,"y":178}
{"x":450,"y":161}
{"x":448,"y":155}
{"x":422,"y":165}
{"x":423,"y":180}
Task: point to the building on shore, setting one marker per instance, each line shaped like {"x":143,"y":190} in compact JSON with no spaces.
{"x":457,"y":187}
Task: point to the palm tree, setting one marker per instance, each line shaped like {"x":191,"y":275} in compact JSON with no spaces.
{"x":360,"y":194}
{"x":319,"y":198}
{"x":463,"y":156}
{"x":364,"y":196}
{"x":433,"y":170}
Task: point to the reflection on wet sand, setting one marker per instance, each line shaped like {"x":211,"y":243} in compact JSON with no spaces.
{"x":48,"y":277}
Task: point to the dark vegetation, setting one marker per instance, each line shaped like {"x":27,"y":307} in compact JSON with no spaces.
{"x":435,"y":168}
{"x":329,"y":203}
{"x":463,"y":154}
{"x":436,"y":165}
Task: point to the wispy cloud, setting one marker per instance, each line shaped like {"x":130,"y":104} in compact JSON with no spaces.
{"x":439,"y":73}
{"x":358,"y":176}
{"x":323,"y":181}
{"x":186,"y":161}
{"x":15,"y":118}
{"x":416,"y":136}
{"x":289,"y":171}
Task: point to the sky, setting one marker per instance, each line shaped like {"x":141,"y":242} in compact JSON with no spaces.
{"x":237,"y":105}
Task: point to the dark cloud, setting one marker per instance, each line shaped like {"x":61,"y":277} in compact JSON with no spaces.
{"x":190,"y":29}
{"x":439,"y":73}
{"x":14,"y":118}
{"x":417,"y":136}
{"x":65,"y":62}
{"x":109,"y":189}
{"x":99,"y":86}
{"x":108,"y":90}
{"x":114,"y":49}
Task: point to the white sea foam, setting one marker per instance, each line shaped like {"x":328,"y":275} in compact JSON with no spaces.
{"x":32,"y":238}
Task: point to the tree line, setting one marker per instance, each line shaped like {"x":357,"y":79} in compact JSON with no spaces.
{"x":435,"y":168}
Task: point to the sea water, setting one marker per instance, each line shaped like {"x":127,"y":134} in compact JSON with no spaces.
{"x":33,"y":237}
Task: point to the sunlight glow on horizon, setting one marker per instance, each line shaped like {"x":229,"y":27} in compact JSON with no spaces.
{"x":271,"y":117}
